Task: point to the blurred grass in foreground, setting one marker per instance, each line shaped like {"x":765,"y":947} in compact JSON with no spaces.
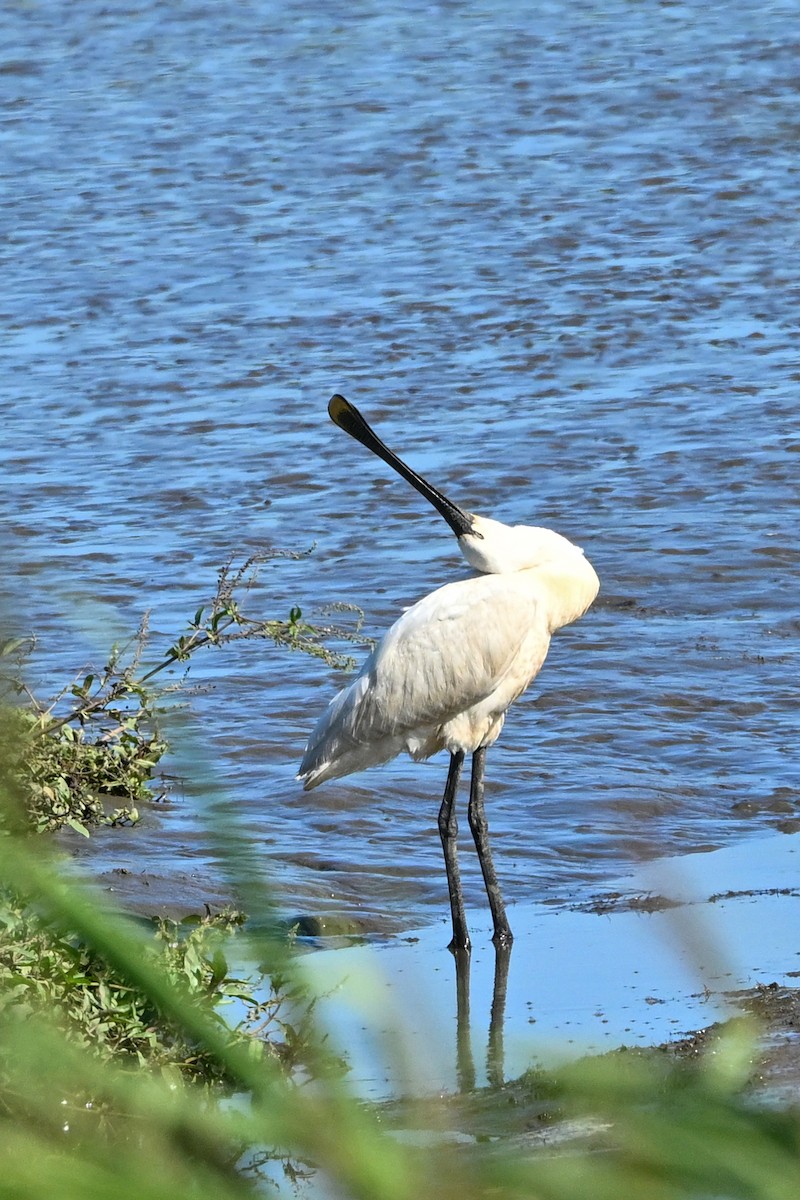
{"x":74,"y":1125}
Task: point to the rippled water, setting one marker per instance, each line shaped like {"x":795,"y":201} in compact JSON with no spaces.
{"x":551,"y":252}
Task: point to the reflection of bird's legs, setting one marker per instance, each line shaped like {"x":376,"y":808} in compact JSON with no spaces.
{"x":480,"y":832}
{"x":465,"y":1064}
{"x":495,"y":1055}
{"x":448,"y":832}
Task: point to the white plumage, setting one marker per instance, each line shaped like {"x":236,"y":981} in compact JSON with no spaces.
{"x":445,"y":673}
{"x":447,"y":670}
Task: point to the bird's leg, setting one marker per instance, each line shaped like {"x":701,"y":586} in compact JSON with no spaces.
{"x":502,"y":935}
{"x":448,"y":832}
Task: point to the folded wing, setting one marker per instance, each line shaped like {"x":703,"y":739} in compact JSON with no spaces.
{"x":455,"y":652}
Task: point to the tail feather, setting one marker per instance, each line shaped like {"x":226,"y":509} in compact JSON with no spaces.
{"x":334,"y":749}
{"x":335,"y":761}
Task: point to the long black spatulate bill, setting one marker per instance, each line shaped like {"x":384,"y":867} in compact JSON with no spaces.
{"x":347,"y":417}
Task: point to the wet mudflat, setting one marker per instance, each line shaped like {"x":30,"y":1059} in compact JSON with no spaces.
{"x":661,"y":960}
{"x":525,"y":1114}
{"x":657,"y":967}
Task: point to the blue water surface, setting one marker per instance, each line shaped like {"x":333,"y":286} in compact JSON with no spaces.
{"x":551,"y":251}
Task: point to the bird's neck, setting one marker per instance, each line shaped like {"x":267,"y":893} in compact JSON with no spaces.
{"x":571,"y":584}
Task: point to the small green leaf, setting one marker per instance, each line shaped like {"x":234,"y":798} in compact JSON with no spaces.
{"x":8,"y":647}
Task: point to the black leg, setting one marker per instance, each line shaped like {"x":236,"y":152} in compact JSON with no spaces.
{"x":448,"y":832}
{"x":480,"y":832}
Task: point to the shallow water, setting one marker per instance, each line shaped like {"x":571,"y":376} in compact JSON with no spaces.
{"x":553,"y":259}
{"x":574,"y":983}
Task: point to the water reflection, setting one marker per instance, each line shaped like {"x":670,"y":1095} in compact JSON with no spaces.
{"x":465,"y":1061}
{"x":495,"y":1052}
{"x":414,"y":1020}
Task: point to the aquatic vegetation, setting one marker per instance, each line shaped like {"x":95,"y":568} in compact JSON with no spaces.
{"x":90,"y":756}
{"x":76,"y":778}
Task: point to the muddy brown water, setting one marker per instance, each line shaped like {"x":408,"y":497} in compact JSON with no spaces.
{"x":553,"y":257}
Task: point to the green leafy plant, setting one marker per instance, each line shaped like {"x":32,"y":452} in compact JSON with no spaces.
{"x":90,"y":755}
{"x":78,"y":1122}
{"x":69,"y":774}
{"x":47,"y":971}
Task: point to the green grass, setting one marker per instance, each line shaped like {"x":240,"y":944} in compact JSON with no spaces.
{"x":75,"y":1123}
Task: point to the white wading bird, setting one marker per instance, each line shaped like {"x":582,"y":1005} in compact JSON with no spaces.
{"x":447,"y":670}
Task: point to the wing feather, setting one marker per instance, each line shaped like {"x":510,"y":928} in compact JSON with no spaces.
{"x":447,"y":653}
{"x":450,"y":651}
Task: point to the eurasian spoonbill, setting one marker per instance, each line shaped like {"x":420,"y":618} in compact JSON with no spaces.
{"x":445,"y":673}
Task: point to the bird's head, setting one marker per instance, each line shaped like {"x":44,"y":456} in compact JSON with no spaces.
{"x":495,"y":549}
